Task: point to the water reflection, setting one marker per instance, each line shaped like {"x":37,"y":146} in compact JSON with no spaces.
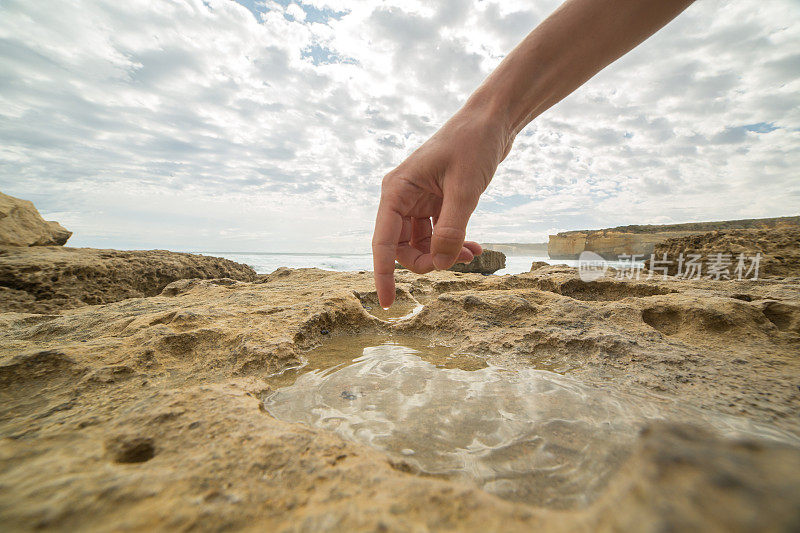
{"x":339,"y":351}
{"x":527,"y":435}
{"x":400,"y":310}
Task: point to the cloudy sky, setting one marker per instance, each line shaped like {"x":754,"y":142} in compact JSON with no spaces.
{"x":267,"y":125}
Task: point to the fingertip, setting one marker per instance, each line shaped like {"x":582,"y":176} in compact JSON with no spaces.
{"x":385,"y":301}
{"x":384,"y":286}
{"x":465,"y":256}
{"x":473,"y":247}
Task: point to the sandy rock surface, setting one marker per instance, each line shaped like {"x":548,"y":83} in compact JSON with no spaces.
{"x":145,"y":413}
{"x":46,"y":279}
{"x":536,"y":265}
{"x":779,"y":248}
{"x":22,"y":225}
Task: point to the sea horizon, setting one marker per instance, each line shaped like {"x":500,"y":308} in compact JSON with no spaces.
{"x":267,"y":262}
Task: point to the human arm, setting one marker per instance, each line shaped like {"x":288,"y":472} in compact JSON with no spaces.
{"x":444,"y":178}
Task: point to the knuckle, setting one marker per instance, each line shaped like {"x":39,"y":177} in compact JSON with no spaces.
{"x":449,"y":233}
{"x":388,"y":179}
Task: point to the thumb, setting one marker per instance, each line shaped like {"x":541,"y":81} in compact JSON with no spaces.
{"x":451,"y":228}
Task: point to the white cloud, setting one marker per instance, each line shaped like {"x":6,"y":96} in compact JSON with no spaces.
{"x":296,"y":12}
{"x":197,"y":125}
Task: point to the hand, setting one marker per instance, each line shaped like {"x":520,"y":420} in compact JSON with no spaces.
{"x":445,"y":177}
{"x":426,"y":202}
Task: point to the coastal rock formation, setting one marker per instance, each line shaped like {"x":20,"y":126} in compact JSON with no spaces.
{"x":46,"y":279}
{"x":37,"y":278}
{"x":146,"y":413}
{"x":607,"y":244}
{"x":566,"y":245}
{"x":517,"y":248}
{"x":778,"y":249}
{"x":643,"y":239}
{"x":488,"y":262}
{"x":22,"y":225}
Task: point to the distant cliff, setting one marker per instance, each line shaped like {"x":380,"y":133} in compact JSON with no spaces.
{"x":516,"y":248}
{"x":610,"y":243}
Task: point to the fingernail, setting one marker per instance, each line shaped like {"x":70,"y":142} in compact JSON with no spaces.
{"x":441,"y":261}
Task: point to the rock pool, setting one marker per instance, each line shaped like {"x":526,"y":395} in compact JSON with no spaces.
{"x":524,"y":434}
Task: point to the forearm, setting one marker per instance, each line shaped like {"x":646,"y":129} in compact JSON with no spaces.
{"x":573,"y":44}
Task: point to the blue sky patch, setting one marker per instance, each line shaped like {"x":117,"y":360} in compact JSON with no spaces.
{"x":761,"y":127}
{"x":313,"y":14}
{"x":319,"y":55}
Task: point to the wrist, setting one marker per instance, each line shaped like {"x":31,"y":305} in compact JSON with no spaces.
{"x":493,"y":114}
{"x":489,"y":106}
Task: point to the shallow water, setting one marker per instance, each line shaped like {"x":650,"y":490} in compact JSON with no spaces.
{"x":340,"y":351}
{"x":525,"y":434}
{"x":398,"y":311}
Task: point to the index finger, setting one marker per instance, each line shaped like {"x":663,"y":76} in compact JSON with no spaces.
{"x":388,"y":226}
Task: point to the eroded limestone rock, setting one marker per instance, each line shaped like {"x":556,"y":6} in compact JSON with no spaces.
{"x":488,"y":262}
{"x":147,"y":413}
{"x":22,"y":225}
{"x":46,"y":279}
{"x":778,"y":252}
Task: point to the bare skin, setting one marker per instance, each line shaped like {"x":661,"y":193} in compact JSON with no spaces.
{"x":426,"y":202}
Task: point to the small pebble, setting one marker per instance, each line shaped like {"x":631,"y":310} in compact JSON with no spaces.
{"x":347,"y":395}
{"x":407,"y":451}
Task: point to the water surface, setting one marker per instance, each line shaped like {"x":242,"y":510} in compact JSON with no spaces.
{"x":340,"y":351}
{"x":525,"y":434}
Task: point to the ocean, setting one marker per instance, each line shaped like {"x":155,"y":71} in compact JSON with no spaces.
{"x":264,"y":263}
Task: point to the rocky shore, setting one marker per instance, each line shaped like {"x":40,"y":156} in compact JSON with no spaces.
{"x":644,"y":240}
{"x":46,"y":279}
{"x":148,"y":413}
{"x":778,"y":249}
{"x":39,"y":275}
